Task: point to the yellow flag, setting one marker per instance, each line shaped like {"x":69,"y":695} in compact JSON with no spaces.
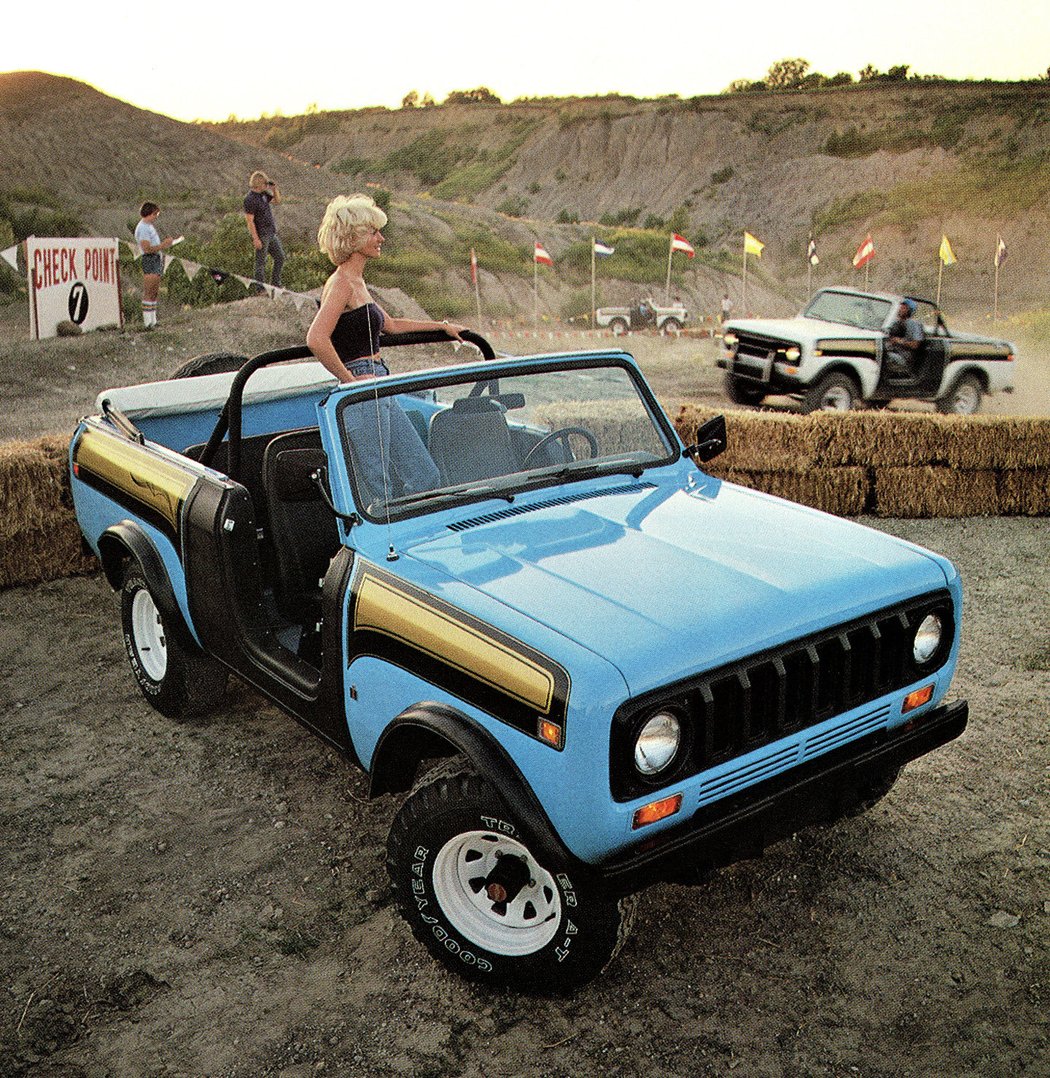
{"x":946,"y":253}
{"x":752,"y":246}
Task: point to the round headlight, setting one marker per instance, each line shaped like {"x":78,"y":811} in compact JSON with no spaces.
{"x":657,"y":743}
{"x":730,"y":340}
{"x":792,"y":354}
{"x":927,"y":638}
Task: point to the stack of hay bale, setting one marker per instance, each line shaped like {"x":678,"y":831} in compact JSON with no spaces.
{"x":901,"y":464}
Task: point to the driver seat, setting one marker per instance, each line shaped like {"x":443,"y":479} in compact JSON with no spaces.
{"x":471,"y":441}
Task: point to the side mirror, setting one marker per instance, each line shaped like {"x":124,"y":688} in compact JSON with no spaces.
{"x":711,"y":439}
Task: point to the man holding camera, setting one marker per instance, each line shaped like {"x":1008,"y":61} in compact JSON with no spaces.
{"x":262,"y":226}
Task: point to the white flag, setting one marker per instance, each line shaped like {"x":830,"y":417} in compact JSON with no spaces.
{"x":10,"y":256}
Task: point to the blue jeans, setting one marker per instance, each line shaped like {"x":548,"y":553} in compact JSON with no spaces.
{"x":271,"y":245}
{"x":380,"y":433}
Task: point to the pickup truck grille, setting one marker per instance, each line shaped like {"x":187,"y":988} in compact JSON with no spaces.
{"x":752,"y":358}
{"x":732,"y":711}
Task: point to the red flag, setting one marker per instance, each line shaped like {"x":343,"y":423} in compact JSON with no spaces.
{"x":680,"y":243}
{"x":865,"y":253}
{"x":540,"y":255}
{"x":473,"y":267}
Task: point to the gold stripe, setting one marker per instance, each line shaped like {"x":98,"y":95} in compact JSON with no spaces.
{"x":966,"y":349}
{"x":148,"y":479}
{"x":845,"y":344}
{"x":383,"y":608}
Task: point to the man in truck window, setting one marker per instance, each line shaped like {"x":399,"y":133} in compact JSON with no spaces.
{"x":906,"y":337}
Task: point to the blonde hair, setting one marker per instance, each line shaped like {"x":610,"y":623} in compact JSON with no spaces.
{"x":257,"y":177}
{"x":347,"y":221}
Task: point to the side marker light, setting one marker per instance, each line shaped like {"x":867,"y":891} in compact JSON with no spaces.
{"x":550,"y":732}
{"x":657,"y":810}
{"x":917,"y":699}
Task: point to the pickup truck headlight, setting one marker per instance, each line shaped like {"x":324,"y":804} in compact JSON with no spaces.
{"x":927,"y":638}
{"x":657,"y":743}
{"x":730,"y":340}
{"x":793,"y":354}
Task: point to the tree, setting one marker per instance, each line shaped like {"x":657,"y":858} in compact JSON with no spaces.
{"x":410,"y":100}
{"x":482,"y":95}
{"x":868,"y":72}
{"x":786,"y":74}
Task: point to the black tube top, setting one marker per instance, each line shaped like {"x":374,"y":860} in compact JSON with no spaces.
{"x":356,"y":333}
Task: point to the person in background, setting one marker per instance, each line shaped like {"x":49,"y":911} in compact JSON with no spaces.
{"x":905,"y":338}
{"x":262,"y":227}
{"x":150,"y":243}
{"x":727,"y":308}
{"x":344,"y":336}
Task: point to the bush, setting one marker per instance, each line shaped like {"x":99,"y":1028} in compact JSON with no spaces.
{"x":513,"y":207}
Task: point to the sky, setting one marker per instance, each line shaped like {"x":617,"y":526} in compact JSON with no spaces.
{"x":202,"y":59}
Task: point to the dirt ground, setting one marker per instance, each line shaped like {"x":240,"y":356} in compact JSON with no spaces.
{"x":210,"y":898}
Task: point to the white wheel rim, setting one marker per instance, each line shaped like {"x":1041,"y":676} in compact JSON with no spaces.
{"x":522,"y":926}
{"x":966,"y":400}
{"x":836,"y":399}
{"x":147,"y":630}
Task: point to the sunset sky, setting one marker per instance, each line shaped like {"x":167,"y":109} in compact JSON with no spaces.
{"x":197,"y":59}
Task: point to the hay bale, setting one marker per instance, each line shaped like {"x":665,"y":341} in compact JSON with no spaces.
{"x":760,"y":441}
{"x":935,"y":492}
{"x":619,"y":426}
{"x":1024,"y":491}
{"x":39,"y":536}
{"x":841,"y":491}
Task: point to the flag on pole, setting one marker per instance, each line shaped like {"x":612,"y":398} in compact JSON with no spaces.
{"x":473,"y":266}
{"x":1000,"y":252}
{"x":540,"y":255}
{"x":865,"y":253}
{"x":811,"y":253}
{"x":10,"y":256}
{"x":680,"y":243}
{"x":752,"y":246}
{"x":602,"y":250}
{"x":946,"y":254}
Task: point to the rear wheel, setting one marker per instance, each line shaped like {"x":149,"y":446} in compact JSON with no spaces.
{"x":671,"y":327}
{"x":211,"y":363}
{"x":177,"y":681}
{"x":833,"y":393}
{"x":964,"y":398}
{"x":479,"y":898}
{"x":618,"y":327}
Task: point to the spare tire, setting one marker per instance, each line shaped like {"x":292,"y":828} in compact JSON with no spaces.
{"x":210,"y":363}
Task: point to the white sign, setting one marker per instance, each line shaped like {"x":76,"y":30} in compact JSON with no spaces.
{"x":72,"y":280}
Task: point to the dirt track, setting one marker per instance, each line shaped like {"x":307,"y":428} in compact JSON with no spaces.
{"x":210,"y":899}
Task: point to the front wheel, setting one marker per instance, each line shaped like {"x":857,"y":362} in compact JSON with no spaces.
{"x":832,"y":393}
{"x":740,"y":392}
{"x":618,"y":327}
{"x":477,"y":896}
{"x":211,"y":363}
{"x":177,"y":681}
{"x":964,"y":397}
{"x":671,"y":327}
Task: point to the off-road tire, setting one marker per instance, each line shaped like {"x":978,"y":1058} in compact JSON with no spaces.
{"x":211,"y":363}
{"x":618,"y":326}
{"x":671,"y":327}
{"x":835,"y":392}
{"x":872,"y":792}
{"x":741,"y":393}
{"x":964,"y":398}
{"x":179,"y":682}
{"x":555,"y":934}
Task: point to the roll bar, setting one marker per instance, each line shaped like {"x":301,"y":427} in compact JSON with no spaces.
{"x":229,"y":421}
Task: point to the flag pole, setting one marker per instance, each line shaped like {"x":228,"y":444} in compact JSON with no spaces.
{"x":995,"y":301}
{"x":535,"y":294}
{"x":940,"y":274}
{"x":743,"y":287}
{"x":594,"y":315}
{"x":477,"y":290}
{"x":667,"y":287}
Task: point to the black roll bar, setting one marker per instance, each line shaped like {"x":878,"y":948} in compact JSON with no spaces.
{"x":229,"y":421}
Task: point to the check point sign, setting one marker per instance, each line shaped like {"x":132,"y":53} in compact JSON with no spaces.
{"x":75,"y":280}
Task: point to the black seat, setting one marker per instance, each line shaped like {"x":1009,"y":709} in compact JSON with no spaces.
{"x":471,"y":441}
{"x":303,"y":529}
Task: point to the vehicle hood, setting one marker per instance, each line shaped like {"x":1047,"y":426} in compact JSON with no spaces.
{"x":801,"y":329}
{"x":668,"y":582}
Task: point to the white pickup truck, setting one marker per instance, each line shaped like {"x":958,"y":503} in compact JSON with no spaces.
{"x":643,"y":315}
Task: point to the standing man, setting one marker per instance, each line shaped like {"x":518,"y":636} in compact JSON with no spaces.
{"x":262,"y":227}
{"x":727,"y":308}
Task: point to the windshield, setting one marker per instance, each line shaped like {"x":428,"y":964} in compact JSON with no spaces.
{"x":849,"y":309}
{"x":419,"y":451}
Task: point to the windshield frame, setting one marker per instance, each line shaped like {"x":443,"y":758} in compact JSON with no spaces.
{"x":510,"y":487}
{"x":874,"y":297}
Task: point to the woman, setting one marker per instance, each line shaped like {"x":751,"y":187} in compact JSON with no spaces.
{"x":344,"y":336}
{"x":150,"y":243}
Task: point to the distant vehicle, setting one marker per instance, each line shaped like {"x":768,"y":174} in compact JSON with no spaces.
{"x":831,"y":357}
{"x":643,"y":315}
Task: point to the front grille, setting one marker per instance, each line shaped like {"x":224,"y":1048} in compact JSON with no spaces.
{"x":737,"y":709}
{"x":752,"y":347}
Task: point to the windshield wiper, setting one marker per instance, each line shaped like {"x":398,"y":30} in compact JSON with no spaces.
{"x":440,"y":492}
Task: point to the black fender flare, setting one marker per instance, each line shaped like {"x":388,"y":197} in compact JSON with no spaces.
{"x":432,"y":729}
{"x":126,"y":541}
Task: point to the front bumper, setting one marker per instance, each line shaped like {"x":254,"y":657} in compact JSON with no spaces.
{"x":822,"y":791}
{"x":769,"y":374}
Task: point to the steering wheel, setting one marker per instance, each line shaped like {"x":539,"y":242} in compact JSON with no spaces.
{"x":562,"y":435}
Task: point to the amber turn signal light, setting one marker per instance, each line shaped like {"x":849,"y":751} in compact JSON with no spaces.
{"x":550,"y":732}
{"x":917,"y":699}
{"x":657,"y":810}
